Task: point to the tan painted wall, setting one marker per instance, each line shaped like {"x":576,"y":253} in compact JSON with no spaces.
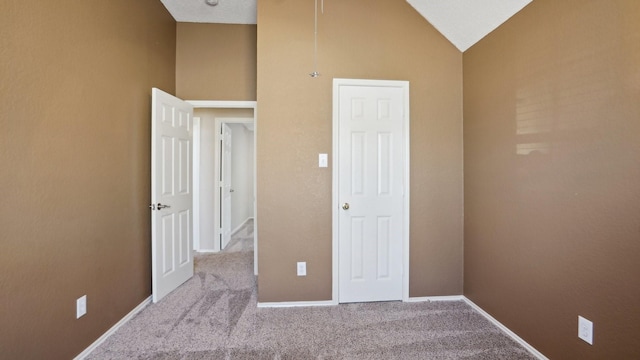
{"x":75,"y":86}
{"x":216,"y":62}
{"x":552,"y":176}
{"x":357,"y":39}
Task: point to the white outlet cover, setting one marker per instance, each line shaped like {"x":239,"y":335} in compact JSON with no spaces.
{"x":585,"y":330}
{"x":81,"y":306}
{"x":302,"y":268}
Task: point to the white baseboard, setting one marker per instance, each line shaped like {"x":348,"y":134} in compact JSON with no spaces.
{"x":506,"y":330}
{"x":286,"y":304}
{"x":331,"y":302}
{"x":435,"y":298}
{"x":206,"y":251}
{"x":113,"y":329}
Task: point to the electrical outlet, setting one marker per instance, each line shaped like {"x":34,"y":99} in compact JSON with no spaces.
{"x":81,"y":306}
{"x":585,"y":330}
{"x":302,"y":268}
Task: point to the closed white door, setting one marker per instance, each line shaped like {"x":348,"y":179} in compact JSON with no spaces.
{"x":226,"y":190}
{"x":371,"y":170}
{"x":171,"y":193}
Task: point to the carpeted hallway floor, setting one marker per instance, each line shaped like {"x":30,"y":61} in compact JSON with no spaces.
{"x":214,"y":316}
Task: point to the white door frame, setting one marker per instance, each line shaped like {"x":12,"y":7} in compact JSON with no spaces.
{"x":404,"y":85}
{"x":196,"y":183}
{"x":209,"y":104}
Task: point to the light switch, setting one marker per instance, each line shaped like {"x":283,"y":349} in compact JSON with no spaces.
{"x":323,"y":160}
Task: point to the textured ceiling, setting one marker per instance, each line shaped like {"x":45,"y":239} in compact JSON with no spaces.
{"x":226,"y":12}
{"x":463,"y":22}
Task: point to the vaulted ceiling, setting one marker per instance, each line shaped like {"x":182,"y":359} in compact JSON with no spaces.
{"x":463,"y":22}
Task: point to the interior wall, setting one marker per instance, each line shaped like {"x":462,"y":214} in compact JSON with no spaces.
{"x":75,"y":100}
{"x":357,"y":39}
{"x":216,"y":62}
{"x":208,"y":153}
{"x":241,"y":175}
{"x":552,"y":167}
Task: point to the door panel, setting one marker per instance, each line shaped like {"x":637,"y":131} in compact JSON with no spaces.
{"x":171,"y":193}
{"x":384,"y":247}
{"x":184,"y":164}
{"x":357,"y":248}
{"x":166,"y":235}
{"x":370,"y":180}
{"x":167,"y":165}
{"x":227,"y":190}
{"x":385,"y":170}
{"x":358,"y":146}
{"x":184,"y":221}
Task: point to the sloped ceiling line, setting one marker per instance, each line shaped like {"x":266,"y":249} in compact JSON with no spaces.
{"x":462,"y":22}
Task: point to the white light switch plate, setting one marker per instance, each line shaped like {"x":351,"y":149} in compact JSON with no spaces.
{"x":323,"y":160}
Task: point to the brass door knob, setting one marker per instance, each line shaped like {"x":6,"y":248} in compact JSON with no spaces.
{"x":345,"y":206}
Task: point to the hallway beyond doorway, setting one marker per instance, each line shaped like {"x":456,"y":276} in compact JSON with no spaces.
{"x":241,"y":240}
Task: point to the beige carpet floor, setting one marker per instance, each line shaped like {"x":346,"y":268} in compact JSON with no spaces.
{"x":215,"y":316}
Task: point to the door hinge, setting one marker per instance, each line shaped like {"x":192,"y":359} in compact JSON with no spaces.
{"x":152,"y":206}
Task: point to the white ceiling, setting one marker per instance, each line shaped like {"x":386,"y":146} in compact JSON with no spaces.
{"x":226,"y":12}
{"x":463,"y":22}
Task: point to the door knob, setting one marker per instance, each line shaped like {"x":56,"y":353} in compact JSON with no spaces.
{"x":345,"y":206}
{"x":160,"y":206}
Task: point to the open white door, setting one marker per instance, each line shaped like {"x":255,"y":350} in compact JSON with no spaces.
{"x":225,"y":186}
{"x":171,"y":193}
{"x":372,"y":174}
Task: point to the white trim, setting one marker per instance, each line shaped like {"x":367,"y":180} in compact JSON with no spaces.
{"x":255,"y":189}
{"x":407,"y":188}
{"x":217,"y":201}
{"x":242,"y":105}
{"x":336,"y":177}
{"x":287,"y":304}
{"x":223,"y":104}
{"x":196,"y":183}
{"x":435,"y":298}
{"x":506,"y":330}
{"x":335,"y":201}
{"x":113,"y":329}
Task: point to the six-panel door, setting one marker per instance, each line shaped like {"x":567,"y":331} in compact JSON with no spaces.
{"x":371,"y":170}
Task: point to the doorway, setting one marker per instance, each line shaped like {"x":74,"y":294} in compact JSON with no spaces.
{"x":371,"y":190}
{"x":209,"y":117}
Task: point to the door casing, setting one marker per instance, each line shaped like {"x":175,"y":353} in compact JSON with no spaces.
{"x":404,"y":85}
